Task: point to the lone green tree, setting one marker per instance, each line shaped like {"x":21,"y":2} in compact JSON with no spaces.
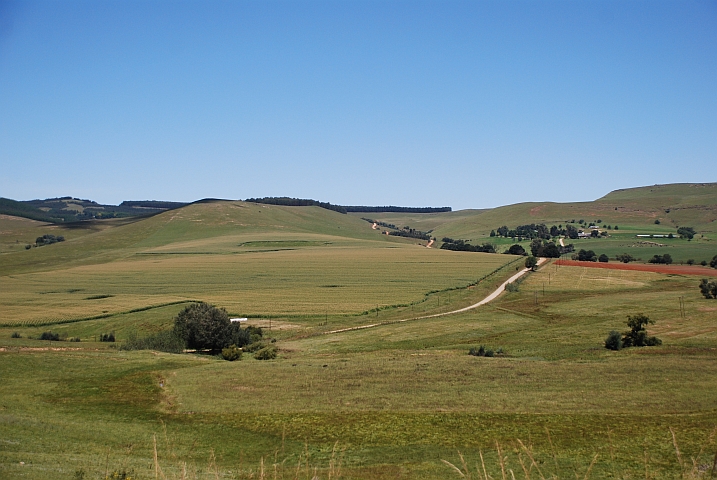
{"x":531,"y":262}
{"x":637,"y":336}
{"x":203,"y":327}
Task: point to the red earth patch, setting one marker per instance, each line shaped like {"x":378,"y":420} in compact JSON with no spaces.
{"x":641,"y":267}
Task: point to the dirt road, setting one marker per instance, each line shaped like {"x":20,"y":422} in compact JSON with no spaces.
{"x":487,"y":299}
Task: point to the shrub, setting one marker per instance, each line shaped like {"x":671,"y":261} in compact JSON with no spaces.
{"x":165,"y":341}
{"x":703,"y":263}
{"x":512,"y":287}
{"x":691,"y":261}
{"x":107,"y":337}
{"x":74,"y":339}
{"x":54,"y":337}
{"x":267,"y":353}
{"x":625,"y":258}
{"x":28,"y":246}
{"x":713,"y":262}
{"x":613,"y":341}
{"x":477,"y":352}
{"x":254,"y":346}
{"x":708,"y":288}
{"x":231,"y":353}
{"x":657,"y":222}
{"x":603,"y":258}
{"x":15,"y":335}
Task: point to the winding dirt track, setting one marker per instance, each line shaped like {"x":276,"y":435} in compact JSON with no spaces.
{"x":487,"y":299}
{"x":666,"y":269}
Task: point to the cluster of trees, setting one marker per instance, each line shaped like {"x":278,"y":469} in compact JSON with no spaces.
{"x":635,"y":337}
{"x":515,"y":250}
{"x":544,"y":248}
{"x":665,"y":259}
{"x":525,"y":231}
{"x":48,"y":240}
{"x":410,"y":233}
{"x":380,"y":224}
{"x":708,"y":288}
{"x":462,"y":246}
{"x":590,"y":256}
{"x":686,"y":232}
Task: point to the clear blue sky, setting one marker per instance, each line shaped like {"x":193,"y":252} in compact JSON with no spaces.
{"x":467,"y":104}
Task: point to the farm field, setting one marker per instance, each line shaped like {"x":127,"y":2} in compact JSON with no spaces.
{"x":398,"y":400}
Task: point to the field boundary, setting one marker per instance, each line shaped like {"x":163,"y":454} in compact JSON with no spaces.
{"x":44,"y":323}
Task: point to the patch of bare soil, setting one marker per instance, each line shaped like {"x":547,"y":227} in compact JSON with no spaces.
{"x":641,"y":267}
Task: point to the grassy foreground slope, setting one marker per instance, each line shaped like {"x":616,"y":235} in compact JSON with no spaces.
{"x":393,"y":401}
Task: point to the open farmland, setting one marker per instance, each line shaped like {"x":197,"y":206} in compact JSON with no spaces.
{"x":392,"y":401}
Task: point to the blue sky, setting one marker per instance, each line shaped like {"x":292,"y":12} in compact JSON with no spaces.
{"x":466,"y":104}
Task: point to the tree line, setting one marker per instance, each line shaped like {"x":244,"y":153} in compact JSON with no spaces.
{"x":306,"y":202}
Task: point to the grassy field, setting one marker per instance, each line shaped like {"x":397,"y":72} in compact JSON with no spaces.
{"x":398,"y":400}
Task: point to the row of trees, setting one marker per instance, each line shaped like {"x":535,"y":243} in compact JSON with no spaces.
{"x":462,"y":246}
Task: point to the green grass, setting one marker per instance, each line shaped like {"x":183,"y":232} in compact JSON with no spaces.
{"x":398,"y":398}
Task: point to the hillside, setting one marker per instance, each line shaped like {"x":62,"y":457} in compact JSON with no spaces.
{"x":209,"y":226}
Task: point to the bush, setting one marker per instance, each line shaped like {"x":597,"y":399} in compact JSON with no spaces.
{"x":231,"y":353}
{"x":15,"y":335}
{"x":613,"y":341}
{"x":484,"y":352}
{"x":107,"y":337}
{"x":165,"y":341}
{"x":603,"y":258}
{"x":254,"y":346}
{"x":512,"y":287}
{"x":703,"y":263}
{"x":54,"y":337}
{"x":690,"y":261}
{"x":708,"y":288}
{"x":663,"y":259}
{"x":625,"y":258}
{"x":267,"y":353}
{"x":74,"y":339}
{"x":713,"y":262}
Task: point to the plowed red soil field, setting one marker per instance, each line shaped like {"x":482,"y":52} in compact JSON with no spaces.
{"x":670,"y":269}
